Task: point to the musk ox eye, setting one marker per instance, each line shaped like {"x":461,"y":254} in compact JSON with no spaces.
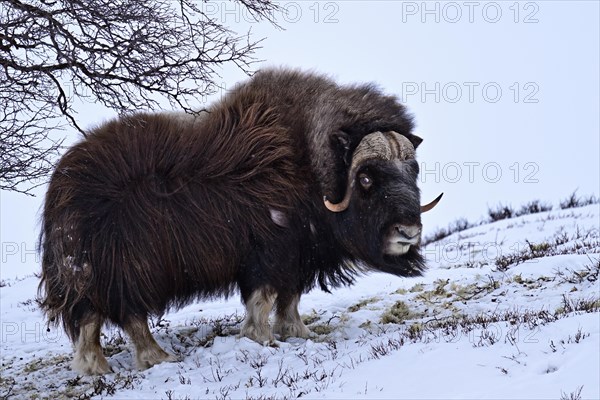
{"x":365,"y":181}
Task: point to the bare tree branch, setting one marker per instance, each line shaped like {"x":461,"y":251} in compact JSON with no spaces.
{"x":124,"y":54}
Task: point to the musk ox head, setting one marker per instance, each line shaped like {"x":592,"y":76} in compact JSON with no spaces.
{"x":379,"y":218}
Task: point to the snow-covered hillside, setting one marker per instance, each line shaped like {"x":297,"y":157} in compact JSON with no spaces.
{"x":509,"y":309}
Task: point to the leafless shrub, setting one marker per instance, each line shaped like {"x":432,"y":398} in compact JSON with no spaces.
{"x":574,"y":201}
{"x":576,"y":395}
{"x":580,"y":243}
{"x":500,"y":212}
{"x":124,"y":55}
{"x":533,"y":207}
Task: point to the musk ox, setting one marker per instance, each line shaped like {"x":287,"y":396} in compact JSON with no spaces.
{"x":290,"y":181}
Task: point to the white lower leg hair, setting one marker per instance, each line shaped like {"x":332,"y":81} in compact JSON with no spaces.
{"x":148,"y":352}
{"x":288,"y":322}
{"x":88,"y":358}
{"x":258,"y":307}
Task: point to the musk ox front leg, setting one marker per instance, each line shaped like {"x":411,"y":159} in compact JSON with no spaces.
{"x":148,"y":352}
{"x":288,"y":322}
{"x":88,"y":358}
{"x":258,"y":307}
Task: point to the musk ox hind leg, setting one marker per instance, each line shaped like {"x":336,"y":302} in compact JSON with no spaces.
{"x":287,"y":320}
{"x":258,"y":307}
{"x":88,"y":358}
{"x":147,"y":351}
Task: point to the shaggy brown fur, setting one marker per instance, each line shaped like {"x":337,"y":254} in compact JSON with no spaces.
{"x":152,"y":211}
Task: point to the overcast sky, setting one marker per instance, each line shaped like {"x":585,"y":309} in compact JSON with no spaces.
{"x":505,"y":94}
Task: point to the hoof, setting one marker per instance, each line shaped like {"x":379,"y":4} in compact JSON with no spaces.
{"x":298,"y":330}
{"x":262,"y":335}
{"x":90,"y":364}
{"x":148,"y":358}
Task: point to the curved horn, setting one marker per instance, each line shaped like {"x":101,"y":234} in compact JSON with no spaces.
{"x":384,"y":146}
{"x":402,"y":147}
{"x":429,"y":206}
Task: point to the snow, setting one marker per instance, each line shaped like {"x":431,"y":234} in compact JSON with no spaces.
{"x":470,"y":330}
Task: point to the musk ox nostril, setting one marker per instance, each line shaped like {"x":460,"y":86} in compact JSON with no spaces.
{"x":409,"y":232}
{"x":401,"y":238}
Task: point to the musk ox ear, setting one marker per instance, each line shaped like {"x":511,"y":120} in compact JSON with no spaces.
{"x":332,"y":160}
{"x":414,"y":139}
{"x":340,"y":138}
{"x":340,"y":142}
